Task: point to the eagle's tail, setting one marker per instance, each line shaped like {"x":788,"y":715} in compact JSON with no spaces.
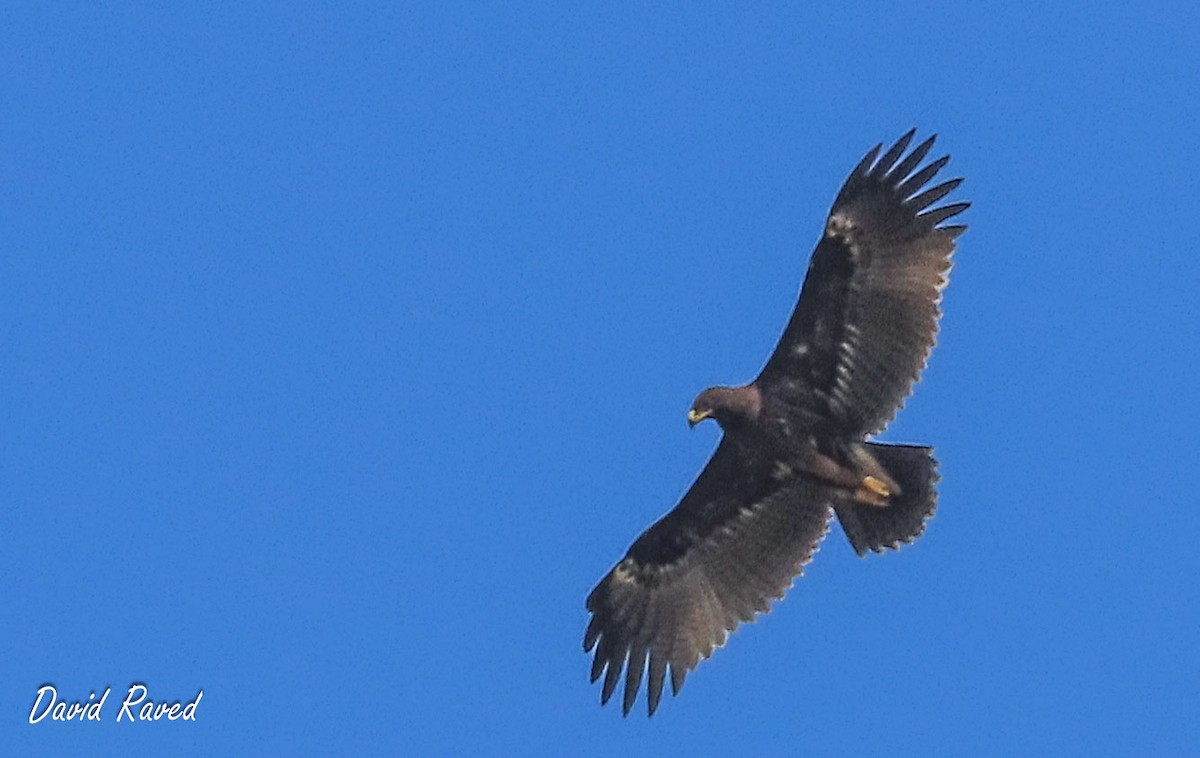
{"x":902,"y":519}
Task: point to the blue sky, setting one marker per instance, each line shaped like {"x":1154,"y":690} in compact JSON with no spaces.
{"x":346,"y":348}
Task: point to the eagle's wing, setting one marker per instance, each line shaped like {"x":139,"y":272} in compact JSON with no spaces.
{"x":868,"y":311}
{"x":736,"y":540}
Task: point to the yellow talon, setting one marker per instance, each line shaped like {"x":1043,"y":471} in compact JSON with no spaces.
{"x":877,"y":486}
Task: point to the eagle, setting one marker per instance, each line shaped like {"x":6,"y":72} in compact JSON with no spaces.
{"x":794,"y":449}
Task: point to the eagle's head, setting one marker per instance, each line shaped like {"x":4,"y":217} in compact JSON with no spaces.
{"x":728,"y":405}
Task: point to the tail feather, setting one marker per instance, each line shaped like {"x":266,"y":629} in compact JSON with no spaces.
{"x":871,"y":527}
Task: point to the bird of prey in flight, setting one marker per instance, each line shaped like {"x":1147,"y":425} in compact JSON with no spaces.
{"x":794,"y":448}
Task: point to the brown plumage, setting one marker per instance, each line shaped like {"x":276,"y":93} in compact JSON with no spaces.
{"x":794,"y":449}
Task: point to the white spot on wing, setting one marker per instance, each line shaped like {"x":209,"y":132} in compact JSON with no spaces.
{"x":838,"y":226}
{"x":842,"y":228}
{"x":624,"y":571}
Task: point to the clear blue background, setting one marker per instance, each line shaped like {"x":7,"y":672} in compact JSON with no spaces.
{"x":343,"y":349}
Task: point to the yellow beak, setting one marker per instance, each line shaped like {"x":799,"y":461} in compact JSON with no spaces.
{"x":695,"y":417}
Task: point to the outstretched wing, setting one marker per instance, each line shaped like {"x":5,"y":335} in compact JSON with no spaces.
{"x":868,"y":311}
{"x":736,"y":540}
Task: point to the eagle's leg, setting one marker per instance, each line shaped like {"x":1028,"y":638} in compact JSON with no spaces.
{"x":852,"y":470}
{"x":875,"y":485}
{"x":872,"y":491}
